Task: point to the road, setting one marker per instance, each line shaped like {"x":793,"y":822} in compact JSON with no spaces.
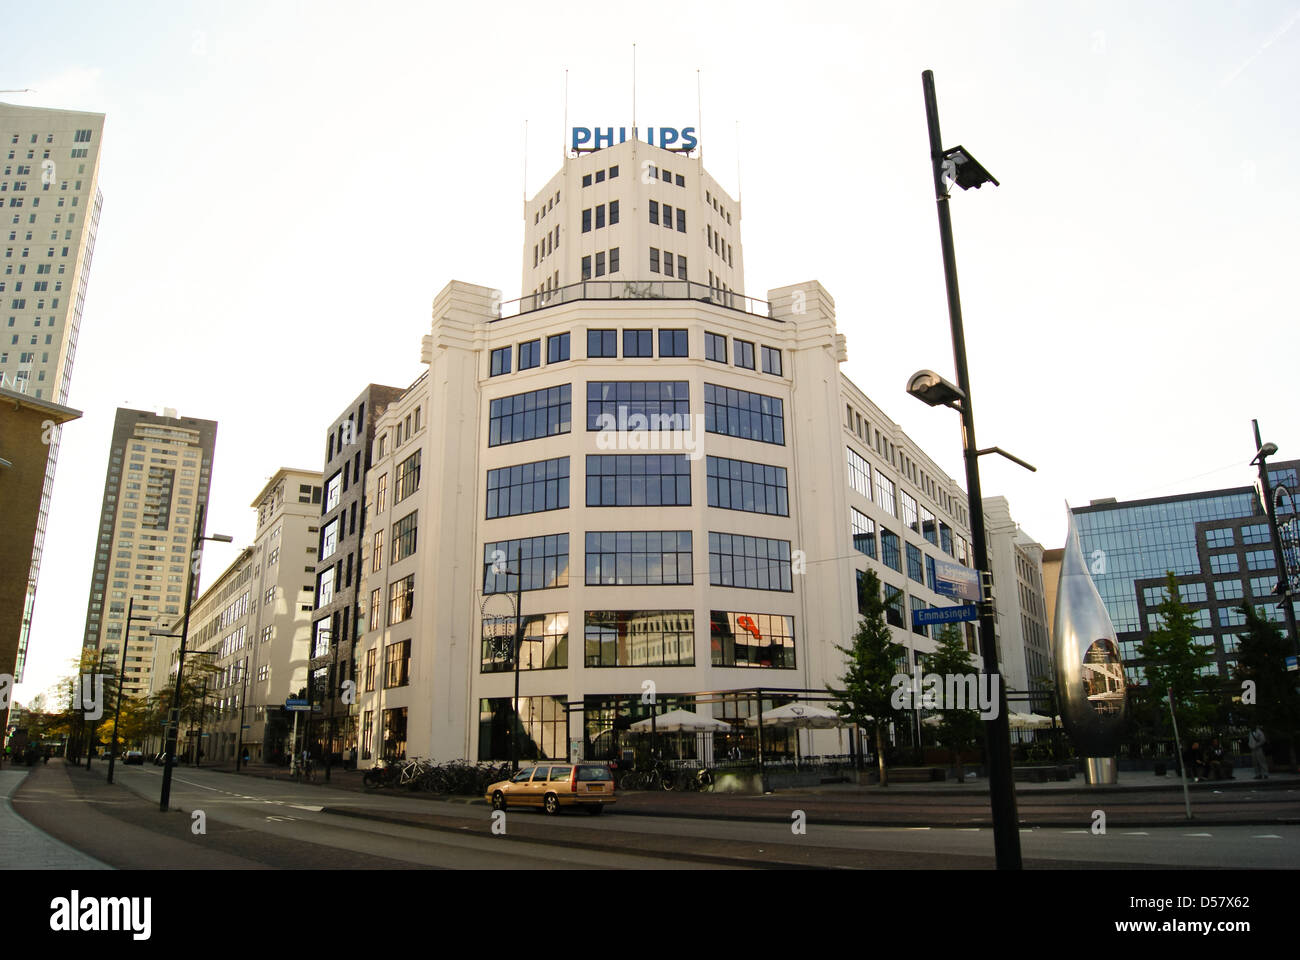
{"x":253,"y":823}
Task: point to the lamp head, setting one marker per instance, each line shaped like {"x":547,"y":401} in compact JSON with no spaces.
{"x":930,"y":388}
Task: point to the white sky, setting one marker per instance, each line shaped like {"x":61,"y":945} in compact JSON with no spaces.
{"x":287,"y":185}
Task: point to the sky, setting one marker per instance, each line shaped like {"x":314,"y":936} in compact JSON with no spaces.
{"x":287,"y":185}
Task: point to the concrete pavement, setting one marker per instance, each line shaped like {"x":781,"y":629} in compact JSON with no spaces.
{"x":24,"y":846}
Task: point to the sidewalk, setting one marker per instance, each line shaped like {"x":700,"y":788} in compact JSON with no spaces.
{"x":26,"y":847}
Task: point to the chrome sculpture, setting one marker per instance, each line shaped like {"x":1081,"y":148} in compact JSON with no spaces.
{"x":1089,"y":671}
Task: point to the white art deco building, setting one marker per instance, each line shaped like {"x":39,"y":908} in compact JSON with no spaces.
{"x":708,"y":547}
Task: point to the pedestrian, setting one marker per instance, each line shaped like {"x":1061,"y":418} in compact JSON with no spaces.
{"x":1219,"y":767}
{"x":1192,"y":761}
{"x":1256,"y":744}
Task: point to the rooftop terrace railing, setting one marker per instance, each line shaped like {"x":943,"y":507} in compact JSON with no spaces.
{"x":635,"y":290}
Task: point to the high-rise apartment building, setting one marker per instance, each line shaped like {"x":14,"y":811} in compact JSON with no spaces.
{"x":679,"y":476}
{"x":49,"y":213}
{"x":343,"y":528}
{"x":1218,"y":546}
{"x":159,"y":471}
{"x":1024,"y":634}
{"x":252,"y":626}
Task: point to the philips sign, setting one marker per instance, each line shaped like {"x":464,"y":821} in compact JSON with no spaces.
{"x":670,"y":138}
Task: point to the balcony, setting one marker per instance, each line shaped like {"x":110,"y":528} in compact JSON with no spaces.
{"x":635,"y":290}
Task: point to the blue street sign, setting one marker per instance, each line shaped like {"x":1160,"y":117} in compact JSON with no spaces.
{"x":921,"y":618}
{"x":956,"y":581}
{"x":295,"y":703}
{"x":1291,"y":663}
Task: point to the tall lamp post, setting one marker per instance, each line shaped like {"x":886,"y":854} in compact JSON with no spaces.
{"x":174,"y":716}
{"x":92,"y":737}
{"x":1263,"y":452}
{"x":243,"y":693}
{"x":121,"y":680}
{"x":958,"y":166}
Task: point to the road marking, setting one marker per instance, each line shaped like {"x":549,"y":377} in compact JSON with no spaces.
{"x":1266,"y":836}
{"x":303,"y":806}
{"x":969,"y":830}
{"x":916,"y":828}
{"x":1078,"y":831}
{"x":1140,"y":833}
{"x":1198,"y":834}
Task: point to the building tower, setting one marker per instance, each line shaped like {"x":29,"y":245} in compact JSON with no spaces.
{"x":159,"y":470}
{"x":684,"y":483}
{"x":51,"y":200}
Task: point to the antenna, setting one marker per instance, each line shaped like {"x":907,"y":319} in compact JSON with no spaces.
{"x":565,"y":131}
{"x":634,"y":91}
{"x":739,"y":191}
{"x":525,"y":190}
{"x":699,"y":113}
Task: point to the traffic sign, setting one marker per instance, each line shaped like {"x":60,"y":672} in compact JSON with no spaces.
{"x":1291,"y":663}
{"x":956,"y":581}
{"x":301,"y":706}
{"x":295,"y":703}
{"x":921,"y":618}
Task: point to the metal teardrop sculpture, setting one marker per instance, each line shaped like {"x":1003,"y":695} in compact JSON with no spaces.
{"x":1089,"y":671}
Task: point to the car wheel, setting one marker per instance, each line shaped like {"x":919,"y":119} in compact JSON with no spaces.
{"x":551,"y":804}
{"x":498,"y":801}
{"x":596,"y":809}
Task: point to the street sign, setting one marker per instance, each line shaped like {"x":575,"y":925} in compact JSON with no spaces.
{"x":956,"y":581}
{"x":300,"y":707}
{"x":921,"y":618}
{"x":1291,"y":663}
{"x":295,"y":703}
{"x":247,"y":726}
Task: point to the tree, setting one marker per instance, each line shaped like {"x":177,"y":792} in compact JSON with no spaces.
{"x":1261,"y":659}
{"x":959,"y":726}
{"x":1174,"y":660}
{"x":872,"y":663}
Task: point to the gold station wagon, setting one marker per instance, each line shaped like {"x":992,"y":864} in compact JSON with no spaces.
{"x":555,"y":785}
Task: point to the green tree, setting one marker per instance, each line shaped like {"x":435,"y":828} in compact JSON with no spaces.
{"x":959,"y":726}
{"x":867,"y":685}
{"x":1174,"y":660}
{"x":1261,"y":659}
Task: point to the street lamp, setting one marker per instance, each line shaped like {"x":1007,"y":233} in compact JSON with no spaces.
{"x":121,"y":681}
{"x":175,"y":714}
{"x":1263,"y":452}
{"x":958,"y":166}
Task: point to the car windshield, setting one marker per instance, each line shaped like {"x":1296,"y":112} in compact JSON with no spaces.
{"x":593,"y":773}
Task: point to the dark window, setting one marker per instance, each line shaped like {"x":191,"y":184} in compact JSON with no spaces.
{"x":586,"y":268}
{"x":893,"y":605}
{"x":739,"y":413}
{"x":586,"y":220}
{"x":654,"y":211}
{"x":600,"y":176}
{"x":681,"y":267}
{"x":557,"y":348}
{"x":613,"y":212}
{"x":408,"y":478}
{"x":756,"y":563}
{"x":915,"y":567}
{"x":715,"y":347}
{"x":626,"y":638}
{"x":602,"y":343}
{"x":528,"y":488}
{"x":654,"y":261}
{"x":586,"y":179}
{"x":501,"y":360}
{"x":638,"y":405}
{"x":638,"y":343}
{"x":600,"y":216}
{"x":600,"y":264}
{"x":613,"y":171}
{"x":527,"y":416}
{"x":638,"y":480}
{"x":681,"y":181}
{"x":638,"y":558}
{"x":681,"y":220}
{"x":772,"y":361}
{"x":397,"y":664}
{"x":889,"y":550}
{"x":545,"y":563}
{"x":530,"y":354}
{"x":613,"y":260}
{"x":753,"y":487}
{"x":863,"y":529}
{"x":404,"y":532}
{"x":744,"y":354}
{"x":672,"y":343}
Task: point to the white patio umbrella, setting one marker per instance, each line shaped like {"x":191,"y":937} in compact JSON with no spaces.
{"x":681,"y":721}
{"x":800,"y":716}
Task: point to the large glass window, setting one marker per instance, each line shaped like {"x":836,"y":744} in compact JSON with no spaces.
{"x":715,"y":347}
{"x":751,"y":640}
{"x":557,"y":348}
{"x":332,"y":491}
{"x":638,"y":405}
{"x":738,"y":413}
{"x":672,"y":343}
{"x":395,"y":734}
{"x":404,"y":532}
{"x":915,"y":568}
{"x":864,"y":532}
{"x":528,"y":488}
{"x":893,"y":605}
{"x":638,"y":557}
{"x":885,"y":494}
{"x":1227,"y":589}
{"x":772,"y":361}
{"x":945,"y":538}
{"x":859,"y":473}
{"x":910,"y":519}
{"x":329,"y":539}
{"x":1219,"y":538}
{"x":638,"y":480}
{"x":1223,"y":563}
{"x":408,"y":478}
{"x":545,"y":563}
{"x":397,"y":664}
{"x":632,"y":638}
{"x":530,"y":354}
{"x":540,"y":723}
{"x":741,"y":485}
{"x":756,"y":563}
{"x":602,"y":343}
{"x":744,"y":351}
{"x":1255,"y":533}
{"x":889,"y":550}
{"x":528,"y":416}
{"x":545,"y":646}
{"x":325,"y":590}
{"x":401,"y":600}
{"x":929,"y":528}
{"x":638,"y":343}
{"x":501,"y":361}
{"x":1260,"y":560}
